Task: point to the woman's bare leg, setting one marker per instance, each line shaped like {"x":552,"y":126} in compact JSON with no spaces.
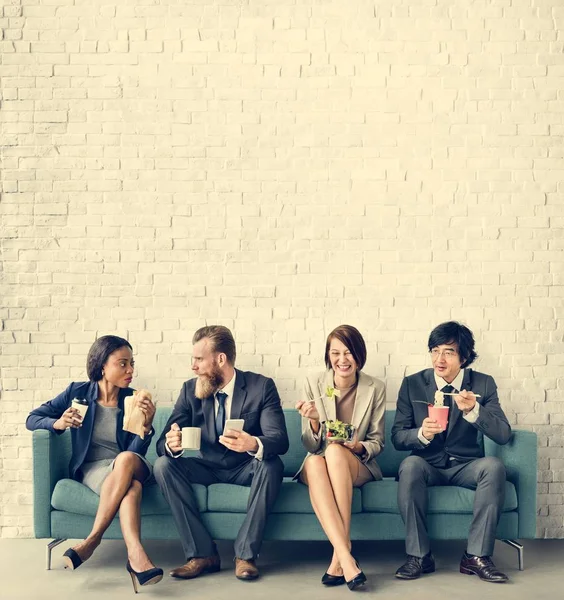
{"x":342,"y":468}
{"x":130,"y":522}
{"x":316,"y":476}
{"x":127,"y":466}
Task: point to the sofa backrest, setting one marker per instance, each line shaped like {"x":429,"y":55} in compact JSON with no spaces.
{"x":388,"y":461}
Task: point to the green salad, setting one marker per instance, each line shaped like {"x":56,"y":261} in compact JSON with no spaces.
{"x":337,"y":430}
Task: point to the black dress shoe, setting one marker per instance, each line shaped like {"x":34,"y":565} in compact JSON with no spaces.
{"x":332,"y":580}
{"x":414,"y":567}
{"x":483,"y":567}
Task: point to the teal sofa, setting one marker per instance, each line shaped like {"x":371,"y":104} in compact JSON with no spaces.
{"x":64,"y":508}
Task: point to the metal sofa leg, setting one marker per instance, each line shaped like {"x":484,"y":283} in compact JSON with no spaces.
{"x":519,"y":548}
{"x":50,"y":547}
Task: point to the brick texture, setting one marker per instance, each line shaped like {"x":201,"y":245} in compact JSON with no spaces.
{"x":281,"y":168}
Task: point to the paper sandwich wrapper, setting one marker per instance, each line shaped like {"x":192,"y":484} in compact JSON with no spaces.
{"x":133,"y":418}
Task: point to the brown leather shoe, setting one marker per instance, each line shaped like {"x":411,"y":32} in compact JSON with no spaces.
{"x":245,"y":570}
{"x":197,"y":566}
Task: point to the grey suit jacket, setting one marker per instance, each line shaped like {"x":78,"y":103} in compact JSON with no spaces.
{"x":463,"y":440}
{"x":368,"y":416}
{"x":255,"y":399}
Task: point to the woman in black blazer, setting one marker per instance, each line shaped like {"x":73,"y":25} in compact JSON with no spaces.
{"x":107,"y":459}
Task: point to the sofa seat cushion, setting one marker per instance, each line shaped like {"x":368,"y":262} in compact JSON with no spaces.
{"x":382,"y":496}
{"x":293,"y":498}
{"x":74,"y":497}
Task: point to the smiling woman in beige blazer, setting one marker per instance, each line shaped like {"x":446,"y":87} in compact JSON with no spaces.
{"x":332,"y":469}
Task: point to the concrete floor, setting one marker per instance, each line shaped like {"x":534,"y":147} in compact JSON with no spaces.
{"x":289,"y":570}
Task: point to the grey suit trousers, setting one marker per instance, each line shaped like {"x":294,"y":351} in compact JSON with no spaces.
{"x":175,"y":477}
{"x":485,"y":475}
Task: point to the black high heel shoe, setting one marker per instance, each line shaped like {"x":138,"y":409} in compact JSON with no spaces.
{"x":148,"y":577}
{"x":72,"y":559}
{"x":357,"y":580}
{"x":332,"y":580}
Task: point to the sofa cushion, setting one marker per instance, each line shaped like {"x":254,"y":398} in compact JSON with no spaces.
{"x":382,"y":496}
{"x":293,"y":498}
{"x":74,"y":497}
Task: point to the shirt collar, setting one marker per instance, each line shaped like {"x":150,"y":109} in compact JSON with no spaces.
{"x":456,"y":384}
{"x":229,"y":387}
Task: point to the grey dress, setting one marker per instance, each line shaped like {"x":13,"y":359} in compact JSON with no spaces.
{"x":103,"y":449}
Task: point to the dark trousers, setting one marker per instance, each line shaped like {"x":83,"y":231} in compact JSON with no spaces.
{"x":175,"y":477}
{"x":485,"y":475}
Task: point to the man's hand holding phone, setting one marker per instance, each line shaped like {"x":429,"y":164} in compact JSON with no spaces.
{"x":236,"y":439}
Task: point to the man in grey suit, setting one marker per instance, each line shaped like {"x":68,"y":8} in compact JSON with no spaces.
{"x":454,"y":456}
{"x":249,"y":458}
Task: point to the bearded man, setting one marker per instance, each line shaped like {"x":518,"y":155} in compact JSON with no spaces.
{"x":249,"y":457}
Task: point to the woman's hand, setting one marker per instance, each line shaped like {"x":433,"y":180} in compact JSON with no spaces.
{"x":148,"y":409}
{"x":70,"y":419}
{"x":355,"y":446}
{"x":307,"y":409}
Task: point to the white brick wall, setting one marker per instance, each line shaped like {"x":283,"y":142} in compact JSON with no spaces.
{"x":281,"y":167}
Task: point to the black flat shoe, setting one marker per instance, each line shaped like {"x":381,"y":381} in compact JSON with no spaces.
{"x":357,"y":580}
{"x":72,"y":559}
{"x":148,"y":577}
{"x":332,"y":580}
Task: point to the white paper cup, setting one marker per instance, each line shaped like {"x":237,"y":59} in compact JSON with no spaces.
{"x":191,"y":437}
{"x":81,"y":408}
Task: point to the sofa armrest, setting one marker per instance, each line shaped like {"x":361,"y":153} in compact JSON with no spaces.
{"x":50,"y":463}
{"x":519,"y":456}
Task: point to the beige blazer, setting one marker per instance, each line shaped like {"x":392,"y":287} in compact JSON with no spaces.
{"x":368,"y":416}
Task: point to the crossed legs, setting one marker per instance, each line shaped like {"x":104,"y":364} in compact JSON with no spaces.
{"x":120,"y":491}
{"x":330,"y":480}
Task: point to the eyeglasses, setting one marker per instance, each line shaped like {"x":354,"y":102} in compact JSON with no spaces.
{"x":448,"y":354}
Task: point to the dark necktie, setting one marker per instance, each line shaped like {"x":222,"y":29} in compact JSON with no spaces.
{"x":447,"y":402}
{"x":220,"y":417}
{"x":448,"y":389}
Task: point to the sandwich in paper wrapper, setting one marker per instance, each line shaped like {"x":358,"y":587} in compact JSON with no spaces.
{"x":134,"y":418}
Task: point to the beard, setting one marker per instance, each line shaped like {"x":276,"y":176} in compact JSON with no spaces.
{"x":207,"y":385}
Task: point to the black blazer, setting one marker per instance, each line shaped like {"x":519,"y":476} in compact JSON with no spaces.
{"x":463,"y":440}
{"x":45,"y":415}
{"x":255,"y":399}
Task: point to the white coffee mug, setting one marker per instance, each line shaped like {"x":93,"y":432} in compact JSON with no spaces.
{"x":191,"y":437}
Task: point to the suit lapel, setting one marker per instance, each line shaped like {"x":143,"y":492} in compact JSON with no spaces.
{"x":239,"y":395}
{"x":430,"y":387}
{"x":362,"y":400}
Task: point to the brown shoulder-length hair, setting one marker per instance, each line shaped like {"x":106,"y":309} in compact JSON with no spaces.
{"x":351,"y":337}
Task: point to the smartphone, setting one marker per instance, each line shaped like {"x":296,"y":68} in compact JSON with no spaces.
{"x":236,"y":424}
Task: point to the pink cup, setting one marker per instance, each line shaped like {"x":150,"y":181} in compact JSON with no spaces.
{"x":439,"y":414}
